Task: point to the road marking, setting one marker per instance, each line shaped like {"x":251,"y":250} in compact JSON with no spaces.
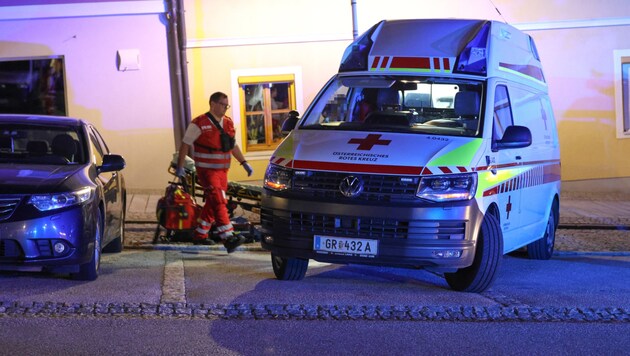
{"x":174,"y":284}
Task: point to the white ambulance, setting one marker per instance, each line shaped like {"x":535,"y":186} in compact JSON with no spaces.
{"x":435,"y":146}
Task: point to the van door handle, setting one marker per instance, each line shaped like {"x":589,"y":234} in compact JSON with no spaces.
{"x":518,"y":158}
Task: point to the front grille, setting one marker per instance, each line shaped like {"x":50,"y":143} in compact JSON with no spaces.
{"x":371,"y":227}
{"x":376,"y":188}
{"x":8,"y":206}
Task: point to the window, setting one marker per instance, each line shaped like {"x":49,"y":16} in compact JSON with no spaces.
{"x":265,"y":104}
{"x":622,"y":92}
{"x":33,"y":86}
{"x":502,"y":112}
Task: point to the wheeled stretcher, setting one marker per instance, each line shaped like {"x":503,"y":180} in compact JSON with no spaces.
{"x":183,"y":199}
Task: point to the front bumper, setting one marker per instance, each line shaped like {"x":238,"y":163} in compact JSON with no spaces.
{"x":31,"y":243}
{"x":408,"y":236}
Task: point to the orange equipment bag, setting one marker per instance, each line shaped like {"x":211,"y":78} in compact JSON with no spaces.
{"x":177,"y":210}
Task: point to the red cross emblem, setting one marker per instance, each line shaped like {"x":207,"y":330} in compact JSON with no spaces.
{"x":366,"y":144}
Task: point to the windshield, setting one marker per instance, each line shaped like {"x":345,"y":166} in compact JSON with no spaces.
{"x":427,"y":105}
{"x":39,"y":144}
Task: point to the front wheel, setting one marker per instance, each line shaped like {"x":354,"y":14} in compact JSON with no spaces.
{"x":488,"y":253}
{"x":542,"y":249}
{"x":89,"y":271}
{"x":118,"y":244}
{"x":289,"y":269}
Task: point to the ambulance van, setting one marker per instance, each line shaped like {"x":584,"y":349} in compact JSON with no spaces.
{"x":434,"y":146}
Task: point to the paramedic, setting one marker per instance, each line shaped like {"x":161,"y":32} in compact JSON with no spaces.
{"x":365,"y":105}
{"x":212,"y":156}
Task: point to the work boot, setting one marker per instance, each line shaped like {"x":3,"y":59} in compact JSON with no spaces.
{"x":205,"y":241}
{"x":199,"y":239}
{"x":232,"y":242}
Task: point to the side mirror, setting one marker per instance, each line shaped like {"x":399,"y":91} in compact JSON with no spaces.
{"x":111,"y":163}
{"x":289,"y":124}
{"x":514,"y":137}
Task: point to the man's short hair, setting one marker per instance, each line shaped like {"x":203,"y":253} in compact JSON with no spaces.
{"x":216,"y":97}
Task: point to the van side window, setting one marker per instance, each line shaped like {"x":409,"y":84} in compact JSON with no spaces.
{"x":502,"y":112}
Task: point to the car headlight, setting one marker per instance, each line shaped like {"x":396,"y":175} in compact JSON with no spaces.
{"x":45,"y":202}
{"x":277,"y":178}
{"x":448,"y":187}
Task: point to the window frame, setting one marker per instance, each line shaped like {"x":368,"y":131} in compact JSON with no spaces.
{"x":267,"y":81}
{"x":238,"y":102}
{"x":622,"y":93}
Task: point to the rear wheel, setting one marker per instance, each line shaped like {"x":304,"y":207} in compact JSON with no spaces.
{"x":542,"y":249}
{"x":289,"y":269}
{"x":488,"y":253}
{"x":89,"y":271}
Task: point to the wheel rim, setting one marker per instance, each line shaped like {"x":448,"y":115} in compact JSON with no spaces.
{"x":550,"y":235}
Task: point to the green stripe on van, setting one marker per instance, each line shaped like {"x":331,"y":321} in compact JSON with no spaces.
{"x":461,"y":156}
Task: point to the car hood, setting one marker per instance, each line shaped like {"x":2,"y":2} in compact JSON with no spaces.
{"x":30,"y":179}
{"x":376,"y":152}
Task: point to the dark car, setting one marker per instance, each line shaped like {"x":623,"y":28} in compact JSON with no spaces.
{"x":62,"y":197}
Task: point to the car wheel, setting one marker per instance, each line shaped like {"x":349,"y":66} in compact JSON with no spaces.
{"x":89,"y":271}
{"x":542,"y":249}
{"x":488,"y":254}
{"x":118,"y":243}
{"x":289,"y":269}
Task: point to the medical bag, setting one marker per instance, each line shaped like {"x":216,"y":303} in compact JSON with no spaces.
{"x":177,"y":209}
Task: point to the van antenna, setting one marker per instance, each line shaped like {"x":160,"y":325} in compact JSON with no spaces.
{"x":496,"y":8}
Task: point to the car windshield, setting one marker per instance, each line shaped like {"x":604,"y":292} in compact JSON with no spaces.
{"x":398,"y":104}
{"x":39,"y":144}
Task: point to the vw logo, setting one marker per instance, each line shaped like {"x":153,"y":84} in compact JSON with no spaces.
{"x":351,"y":186}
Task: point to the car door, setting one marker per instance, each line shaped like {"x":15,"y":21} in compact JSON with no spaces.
{"x":111,"y":187}
{"x":507,"y":162}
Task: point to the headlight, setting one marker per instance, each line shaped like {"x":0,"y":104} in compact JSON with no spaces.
{"x":448,"y":187}
{"x":277,"y":178}
{"x":45,"y":202}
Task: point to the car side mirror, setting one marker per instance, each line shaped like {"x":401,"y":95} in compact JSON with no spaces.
{"x":289,"y":124}
{"x":111,"y":163}
{"x":514,"y":137}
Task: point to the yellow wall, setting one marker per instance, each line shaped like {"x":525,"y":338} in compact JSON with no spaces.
{"x":210,"y":68}
{"x":578,"y":61}
{"x":579,"y":68}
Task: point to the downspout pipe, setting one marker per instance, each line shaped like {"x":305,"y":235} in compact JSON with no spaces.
{"x":355,"y":24}
{"x":179,"y":72}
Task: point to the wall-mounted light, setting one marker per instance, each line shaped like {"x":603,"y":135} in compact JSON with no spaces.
{"x":128,"y":59}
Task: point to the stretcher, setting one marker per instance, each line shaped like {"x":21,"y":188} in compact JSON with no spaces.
{"x":183,"y":199}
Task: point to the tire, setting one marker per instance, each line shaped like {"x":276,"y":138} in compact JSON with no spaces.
{"x":542,"y":249}
{"x":488,"y":254}
{"x":118,"y":244}
{"x":289,"y":269}
{"x":89,"y":271}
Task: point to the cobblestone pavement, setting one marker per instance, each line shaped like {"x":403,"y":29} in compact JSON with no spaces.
{"x":316,"y":312}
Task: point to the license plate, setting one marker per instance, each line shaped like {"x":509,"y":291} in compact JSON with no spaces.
{"x":345,"y":246}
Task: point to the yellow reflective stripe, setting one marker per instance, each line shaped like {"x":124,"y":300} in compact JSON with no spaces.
{"x":285,"y":150}
{"x":460,"y":156}
{"x":487,"y":180}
